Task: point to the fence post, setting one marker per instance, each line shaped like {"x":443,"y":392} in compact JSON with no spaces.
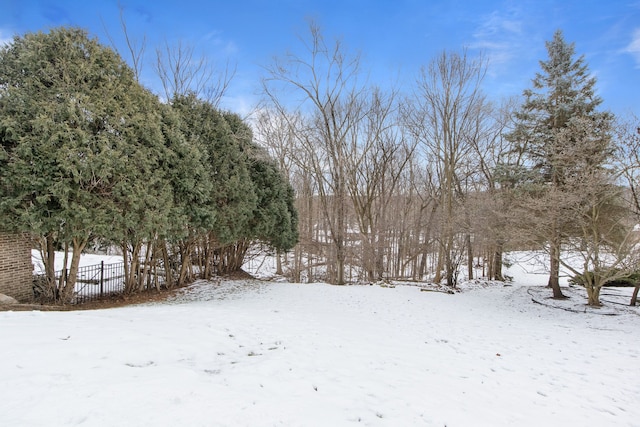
{"x":101,"y":278}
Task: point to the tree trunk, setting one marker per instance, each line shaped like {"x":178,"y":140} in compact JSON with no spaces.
{"x":278,"y":262}
{"x":450,"y":266}
{"x":379,"y":260}
{"x":634,"y":297}
{"x":423,"y":263}
{"x":297,"y":264}
{"x":69,"y":288}
{"x":65,"y":271}
{"x":125,"y":259}
{"x":168,"y":271}
{"x":145,"y":268}
{"x":367,"y":256}
{"x":554,"y":269}
{"x":450,"y":273}
{"x":497,"y":263}
{"x":340,"y":258}
{"x":208,"y":257}
{"x":439,"y":264}
{"x":185,"y":258}
{"x":469,"y":256}
{"x":593,"y":294}
{"x":49,"y":258}
{"x":131,"y":265}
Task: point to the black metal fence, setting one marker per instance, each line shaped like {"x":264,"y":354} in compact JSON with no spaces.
{"x":99,"y":281}
{"x":102,"y":280}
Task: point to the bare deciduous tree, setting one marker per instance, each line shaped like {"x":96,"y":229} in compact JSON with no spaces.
{"x":379,"y":156}
{"x":628,"y":156}
{"x":324,"y":80}
{"x":492,"y":198}
{"x":445,"y":106}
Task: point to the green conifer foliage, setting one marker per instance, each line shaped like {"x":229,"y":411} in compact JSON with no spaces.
{"x":87,"y":153}
{"x":275,"y":220}
{"x":81,"y":144}
{"x":231,"y":195}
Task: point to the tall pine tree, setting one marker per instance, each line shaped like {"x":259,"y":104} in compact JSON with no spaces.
{"x":564,"y":139}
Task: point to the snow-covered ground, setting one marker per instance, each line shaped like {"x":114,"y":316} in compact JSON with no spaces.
{"x":257,"y":353}
{"x":85,"y":260}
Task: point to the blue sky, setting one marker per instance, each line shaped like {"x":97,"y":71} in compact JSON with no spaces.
{"x":395,"y":38}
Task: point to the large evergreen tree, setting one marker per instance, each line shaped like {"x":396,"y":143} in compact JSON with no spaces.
{"x":81,"y":144}
{"x":565,"y":139}
{"x":87,"y":153}
{"x":275,"y":220}
{"x":230,"y":198}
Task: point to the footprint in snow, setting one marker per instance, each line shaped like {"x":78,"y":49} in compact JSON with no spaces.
{"x":140,"y":365}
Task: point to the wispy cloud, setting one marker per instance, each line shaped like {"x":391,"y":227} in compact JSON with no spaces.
{"x":215,"y":39}
{"x":500,"y":36}
{"x":633,"y":48}
{"x":497,"y":23}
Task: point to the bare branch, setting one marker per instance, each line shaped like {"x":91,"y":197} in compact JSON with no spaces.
{"x":181,"y":72}
{"x":135,"y":52}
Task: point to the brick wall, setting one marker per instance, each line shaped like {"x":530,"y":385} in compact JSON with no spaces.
{"x":16,"y":270}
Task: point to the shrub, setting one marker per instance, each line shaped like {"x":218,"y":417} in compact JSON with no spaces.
{"x":623,"y":280}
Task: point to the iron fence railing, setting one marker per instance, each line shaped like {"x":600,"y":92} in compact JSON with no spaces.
{"x":101,"y":280}
{"x":98,"y":281}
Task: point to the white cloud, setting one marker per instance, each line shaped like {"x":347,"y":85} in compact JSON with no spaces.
{"x":634,"y":47}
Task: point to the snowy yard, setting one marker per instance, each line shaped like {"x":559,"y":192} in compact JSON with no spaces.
{"x":252,"y":353}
